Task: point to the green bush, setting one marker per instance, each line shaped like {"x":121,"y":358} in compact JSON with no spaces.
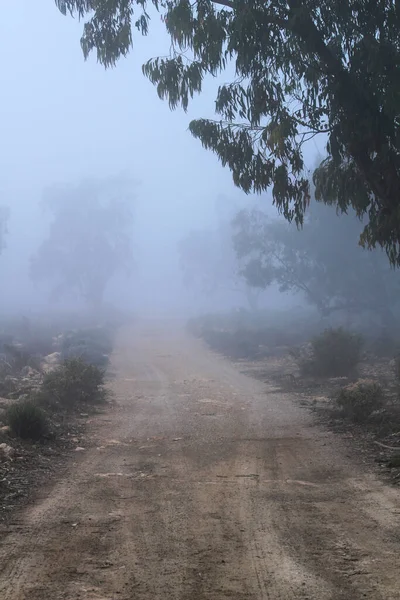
{"x":27,"y":420}
{"x":334,"y":353}
{"x":359,"y":400}
{"x":73,"y":382}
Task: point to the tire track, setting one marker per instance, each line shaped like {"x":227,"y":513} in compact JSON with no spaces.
{"x":204,"y":485}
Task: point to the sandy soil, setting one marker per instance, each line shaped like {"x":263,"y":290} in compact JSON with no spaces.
{"x":202,"y":483}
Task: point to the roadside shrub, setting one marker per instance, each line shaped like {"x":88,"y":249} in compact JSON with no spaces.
{"x":359,"y":400}
{"x":218,"y":340}
{"x":27,"y":420}
{"x":235,"y":344}
{"x":244,"y":344}
{"x":394,"y":461}
{"x":5,"y":340}
{"x":74,"y":381}
{"x":334,"y":353}
{"x":15,"y":358}
{"x":7,"y":384}
{"x":91,"y":345}
{"x":39,"y":345}
{"x":385,"y":344}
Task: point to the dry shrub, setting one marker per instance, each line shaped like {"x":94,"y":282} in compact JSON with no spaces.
{"x":235,"y":344}
{"x":14,"y":359}
{"x":27,"y":420}
{"x":385,"y":345}
{"x":92,"y":345}
{"x":360,"y":399}
{"x":334,"y":353}
{"x":73,"y":382}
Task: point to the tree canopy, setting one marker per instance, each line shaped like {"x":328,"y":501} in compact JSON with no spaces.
{"x":300,"y":68}
{"x":323,"y":262}
{"x":89,"y":239}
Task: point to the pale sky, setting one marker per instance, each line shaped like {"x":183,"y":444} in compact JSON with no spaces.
{"x":64,"y":119}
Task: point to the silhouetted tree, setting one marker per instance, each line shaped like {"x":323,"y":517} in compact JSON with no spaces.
{"x":301,"y":68}
{"x":89,"y":240}
{"x":323,"y":262}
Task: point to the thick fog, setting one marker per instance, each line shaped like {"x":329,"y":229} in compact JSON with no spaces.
{"x":65,"y":121}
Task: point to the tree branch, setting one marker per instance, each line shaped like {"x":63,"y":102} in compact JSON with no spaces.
{"x":224,"y":3}
{"x":274,"y":20}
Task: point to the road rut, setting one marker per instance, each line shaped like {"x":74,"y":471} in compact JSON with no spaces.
{"x":202,"y":483}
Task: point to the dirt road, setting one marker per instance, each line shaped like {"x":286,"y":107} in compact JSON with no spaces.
{"x":201,"y":483}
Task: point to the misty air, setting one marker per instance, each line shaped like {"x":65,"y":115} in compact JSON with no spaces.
{"x":200,"y":300}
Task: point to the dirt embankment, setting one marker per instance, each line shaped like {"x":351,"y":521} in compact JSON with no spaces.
{"x":202,"y":483}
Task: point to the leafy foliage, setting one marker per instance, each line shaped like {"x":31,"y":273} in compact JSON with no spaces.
{"x":359,"y":400}
{"x":73,"y":382}
{"x":89,"y":239}
{"x":302,"y":68}
{"x":335,"y":353}
{"x":27,"y":420}
{"x":323,"y":262}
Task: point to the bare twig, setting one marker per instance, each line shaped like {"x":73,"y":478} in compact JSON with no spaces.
{"x":386,"y":446}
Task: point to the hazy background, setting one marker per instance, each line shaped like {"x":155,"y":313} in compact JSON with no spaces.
{"x":64,"y":119}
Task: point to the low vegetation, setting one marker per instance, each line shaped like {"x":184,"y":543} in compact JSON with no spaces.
{"x":47,"y":367}
{"x":72,"y":383}
{"x":27,"y":420}
{"x":245,"y":334}
{"x":334,"y":353}
{"x":52,"y":375}
{"x":14,"y":358}
{"x":91,"y":345}
{"x":350,"y":378}
{"x":396,"y":368}
{"x":359,"y":400}
{"x":235,"y":344}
